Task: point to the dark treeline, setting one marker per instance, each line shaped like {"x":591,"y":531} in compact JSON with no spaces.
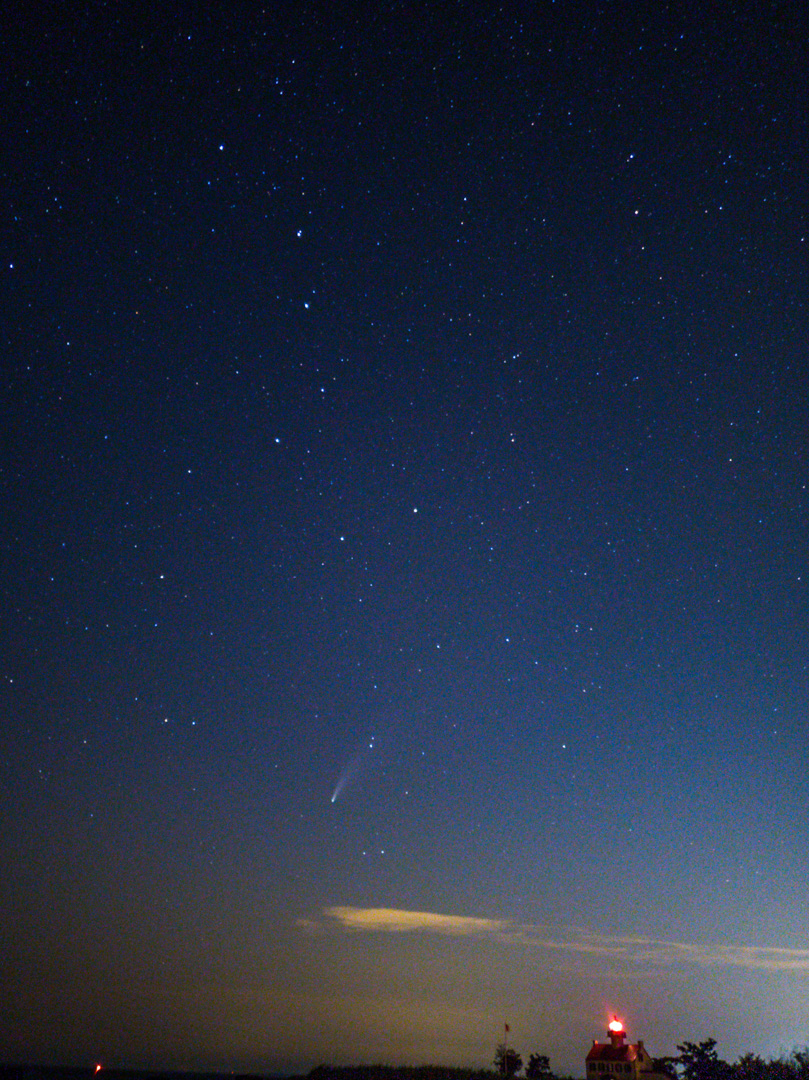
{"x":700,"y":1061}
{"x":404,"y":1072}
{"x":82,"y":1072}
{"x":695,"y":1061}
{"x":401,"y":1072}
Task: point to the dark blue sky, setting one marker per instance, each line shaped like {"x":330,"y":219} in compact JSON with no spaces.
{"x":409,"y":407}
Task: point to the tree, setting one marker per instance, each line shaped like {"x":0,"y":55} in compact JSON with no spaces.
{"x":752,"y":1067}
{"x":699,"y":1061}
{"x":507,"y":1061}
{"x":538,"y":1067}
{"x":798,"y":1062}
{"x":666,"y":1065}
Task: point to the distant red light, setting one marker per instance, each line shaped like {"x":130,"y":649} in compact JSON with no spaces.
{"x":616,"y":1025}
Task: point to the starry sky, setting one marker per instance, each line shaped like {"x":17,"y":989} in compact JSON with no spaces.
{"x":404,"y":531}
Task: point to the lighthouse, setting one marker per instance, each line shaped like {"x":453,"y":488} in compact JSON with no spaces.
{"x":619,"y":1059}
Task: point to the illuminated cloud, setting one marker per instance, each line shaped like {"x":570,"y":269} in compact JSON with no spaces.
{"x":581,"y":943}
{"x":396,"y":921}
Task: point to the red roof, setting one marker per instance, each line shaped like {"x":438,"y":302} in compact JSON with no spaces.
{"x":610,"y":1052}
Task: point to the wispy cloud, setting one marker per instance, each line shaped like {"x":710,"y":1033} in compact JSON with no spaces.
{"x":631,"y":950}
{"x":651,"y":951}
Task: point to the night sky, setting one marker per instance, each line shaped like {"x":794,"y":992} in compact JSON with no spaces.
{"x":404,"y":553}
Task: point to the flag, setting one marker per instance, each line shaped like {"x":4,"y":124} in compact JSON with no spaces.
{"x":507,"y":1028}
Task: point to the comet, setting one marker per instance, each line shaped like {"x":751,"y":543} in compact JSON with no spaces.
{"x":345,"y":776}
{"x":351,"y":770}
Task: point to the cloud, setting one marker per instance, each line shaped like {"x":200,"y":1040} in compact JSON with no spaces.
{"x":651,"y":951}
{"x":638,"y":950}
{"x":396,"y":921}
{"x":630,"y":950}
